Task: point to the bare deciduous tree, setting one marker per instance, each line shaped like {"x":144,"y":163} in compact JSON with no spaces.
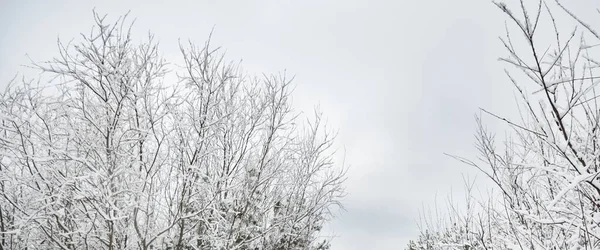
{"x":110,"y":155}
{"x":547,"y":172}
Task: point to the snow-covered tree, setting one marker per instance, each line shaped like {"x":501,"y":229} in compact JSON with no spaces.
{"x":111,"y":154}
{"x":546,"y":174}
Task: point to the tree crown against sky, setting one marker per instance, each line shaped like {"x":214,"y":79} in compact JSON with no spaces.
{"x":546,"y":173}
{"x":106,"y":151}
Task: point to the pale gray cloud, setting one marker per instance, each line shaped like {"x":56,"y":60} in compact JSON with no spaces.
{"x":400,"y":80}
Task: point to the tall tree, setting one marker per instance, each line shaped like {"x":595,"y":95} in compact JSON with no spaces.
{"x":111,"y":155}
{"x":547,"y":173}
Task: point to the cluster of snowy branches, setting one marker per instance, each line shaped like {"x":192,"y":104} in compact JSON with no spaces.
{"x":547,"y":173}
{"x":110,"y":155}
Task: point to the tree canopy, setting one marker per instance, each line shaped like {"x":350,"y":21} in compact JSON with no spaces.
{"x":111,"y":154}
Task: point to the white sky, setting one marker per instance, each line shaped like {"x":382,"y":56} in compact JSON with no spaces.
{"x":400,"y":80}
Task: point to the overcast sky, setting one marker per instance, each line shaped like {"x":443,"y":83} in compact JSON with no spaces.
{"x":400,"y":80}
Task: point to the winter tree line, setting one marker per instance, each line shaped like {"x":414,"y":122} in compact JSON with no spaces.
{"x":104,"y":151}
{"x":546,"y":174}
